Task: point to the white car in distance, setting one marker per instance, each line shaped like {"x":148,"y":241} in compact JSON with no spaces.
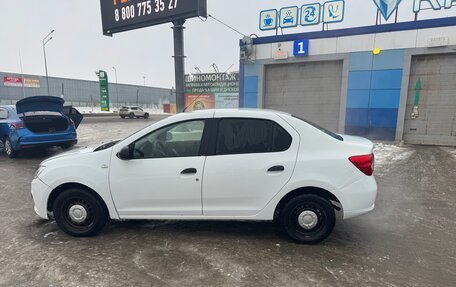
{"x":253,"y":165}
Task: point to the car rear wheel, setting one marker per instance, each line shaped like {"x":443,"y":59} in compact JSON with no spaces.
{"x":67,"y":146}
{"x":308,"y":218}
{"x":131,"y":116}
{"x":146,"y":115}
{"x":9,"y":150}
{"x":79,"y":213}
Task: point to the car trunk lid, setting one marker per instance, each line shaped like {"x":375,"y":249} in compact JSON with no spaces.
{"x":40,"y":104}
{"x":43,"y":114}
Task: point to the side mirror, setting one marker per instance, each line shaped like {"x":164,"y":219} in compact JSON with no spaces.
{"x":124,"y":153}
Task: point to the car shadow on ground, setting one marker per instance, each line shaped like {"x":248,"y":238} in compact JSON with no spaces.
{"x":136,"y":231}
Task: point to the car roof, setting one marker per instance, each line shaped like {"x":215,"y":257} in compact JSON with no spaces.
{"x":244,"y":111}
{"x":226,"y":113}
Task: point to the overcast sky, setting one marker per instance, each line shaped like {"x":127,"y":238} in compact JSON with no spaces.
{"x":79,"y":48}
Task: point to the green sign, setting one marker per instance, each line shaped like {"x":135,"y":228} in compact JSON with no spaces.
{"x":104,"y":91}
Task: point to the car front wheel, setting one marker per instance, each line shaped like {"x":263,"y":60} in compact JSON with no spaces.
{"x":308,"y":218}
{"x":9,"y":150}
{"x":79,"y":213}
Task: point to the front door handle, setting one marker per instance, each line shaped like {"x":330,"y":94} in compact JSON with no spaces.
{"x":276,"y":168}
{"x":189,"y":171}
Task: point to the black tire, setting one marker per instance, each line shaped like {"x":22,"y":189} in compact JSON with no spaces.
{"x":123,"y":117}
{"x":67,"y":146}
{"x":8,"y":148}
{"x":316,"y":212}
{"x":131,"y":115}
{"x":146,"y":115}
{"x":96,"y":213}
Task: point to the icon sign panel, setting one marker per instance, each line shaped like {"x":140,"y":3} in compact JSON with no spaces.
{"x":310,"y":14}
{"x":289,"y":17}
{"x":301,"y":48}
{"x":333,"y":11}
{"x":268,"y":20}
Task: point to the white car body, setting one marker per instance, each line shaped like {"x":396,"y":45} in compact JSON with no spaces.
{"x":225,"y":187}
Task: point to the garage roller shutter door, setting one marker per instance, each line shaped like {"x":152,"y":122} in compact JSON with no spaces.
{"x":436,"y":121}
{"x":309,"y":90}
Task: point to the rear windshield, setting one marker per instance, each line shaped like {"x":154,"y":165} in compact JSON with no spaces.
{"x":328,"y":132}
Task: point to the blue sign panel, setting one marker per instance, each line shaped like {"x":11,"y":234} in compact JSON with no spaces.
{"x":387,"y":7}
{"x":301,"y":48}
{"x":310,"y":14}
{"x":268,"y":20}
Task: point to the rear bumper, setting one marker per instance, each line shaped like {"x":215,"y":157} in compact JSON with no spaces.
{"x":359,"y":197}
{"x":24,"y":139}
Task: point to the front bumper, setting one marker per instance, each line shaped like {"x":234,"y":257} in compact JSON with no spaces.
{"x":40,"y":193}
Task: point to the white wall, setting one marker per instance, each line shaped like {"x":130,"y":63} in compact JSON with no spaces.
{"x":368,"y":42}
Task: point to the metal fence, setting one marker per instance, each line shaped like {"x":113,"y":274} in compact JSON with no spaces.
{"x":80,"y":93}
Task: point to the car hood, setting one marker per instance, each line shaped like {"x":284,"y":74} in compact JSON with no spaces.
{"x":73,"y":153}
{"x":40,"y":104}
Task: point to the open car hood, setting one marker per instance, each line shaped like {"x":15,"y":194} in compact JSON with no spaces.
{"x":40,"y":104}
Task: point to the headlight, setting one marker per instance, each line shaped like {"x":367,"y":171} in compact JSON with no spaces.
{"x":39,"y":171}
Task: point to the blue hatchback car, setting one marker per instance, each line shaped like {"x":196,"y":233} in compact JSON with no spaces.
{"x":39,"y":121}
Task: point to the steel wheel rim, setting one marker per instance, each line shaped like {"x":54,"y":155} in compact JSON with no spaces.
{"x":8,"y":147}
{"x":311,"y":226}
{"x":78,"y":213}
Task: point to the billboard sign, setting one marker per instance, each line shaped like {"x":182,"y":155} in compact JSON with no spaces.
{"x":104,"y":91}
{"x":207,"y":91}
{"x":124,"y":15}
{"x":11,"y":81}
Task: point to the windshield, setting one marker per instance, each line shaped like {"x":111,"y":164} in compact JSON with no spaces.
{"x":328,"y":132}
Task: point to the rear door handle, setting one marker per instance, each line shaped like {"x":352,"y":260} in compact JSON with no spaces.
{"x":189,"y":171}
{"x":276,"y":168}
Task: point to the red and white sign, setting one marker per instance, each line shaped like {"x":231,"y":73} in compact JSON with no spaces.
{"x":9,"y":81}
{"x":12,"y":81}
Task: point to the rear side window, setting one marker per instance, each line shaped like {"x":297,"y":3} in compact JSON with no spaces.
{"x":328,"y":132}
{"x":3,"y":114}
{"x":242,"y":136}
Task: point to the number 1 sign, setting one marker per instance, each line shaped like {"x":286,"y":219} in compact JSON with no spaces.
{"x":301,"y":48}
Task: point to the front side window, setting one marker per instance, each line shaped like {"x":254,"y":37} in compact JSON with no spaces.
{"x":3,"y":114}
{"x":177,"y":140}
{"x":242,"y":136}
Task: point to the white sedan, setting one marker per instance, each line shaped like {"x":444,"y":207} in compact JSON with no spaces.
{"x":213,"y":165}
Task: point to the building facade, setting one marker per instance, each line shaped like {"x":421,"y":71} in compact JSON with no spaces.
{"x":81,"y":93}
{"x":385,"y":82}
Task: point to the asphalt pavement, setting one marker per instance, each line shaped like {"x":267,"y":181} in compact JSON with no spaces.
{"x":408,"y":240}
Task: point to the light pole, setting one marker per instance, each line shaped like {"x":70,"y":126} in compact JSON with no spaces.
{"x":117,"y":88}
{"x":45,"y":41}
{"x":144,"y":77}
{"x":198,"y":70}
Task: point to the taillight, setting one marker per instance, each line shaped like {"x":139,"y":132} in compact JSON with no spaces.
{"x":18,"y":125}
{"x":365,"y":163}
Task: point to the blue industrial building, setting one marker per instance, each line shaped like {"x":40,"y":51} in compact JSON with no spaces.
{"x":386,"y":82}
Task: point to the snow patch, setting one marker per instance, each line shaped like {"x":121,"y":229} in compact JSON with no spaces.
{"x":450,"y":150}
{"x":387,"y":153}
{"x":96,"y":110}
